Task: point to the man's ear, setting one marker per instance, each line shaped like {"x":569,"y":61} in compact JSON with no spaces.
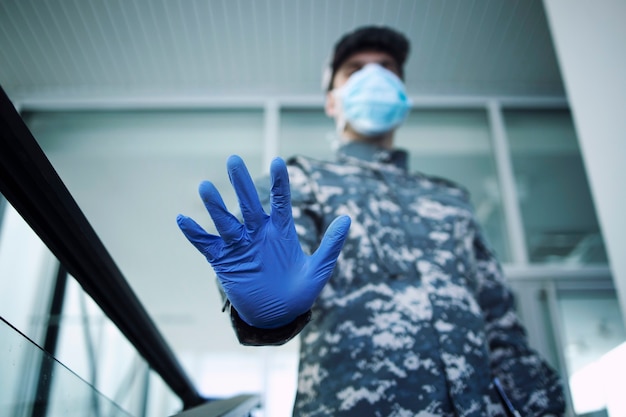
{"x":330,"y":107}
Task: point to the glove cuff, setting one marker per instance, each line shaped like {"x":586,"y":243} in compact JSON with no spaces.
{"x":254,"y":336}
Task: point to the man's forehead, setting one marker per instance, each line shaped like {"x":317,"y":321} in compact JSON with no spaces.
{"x":366,"y":57}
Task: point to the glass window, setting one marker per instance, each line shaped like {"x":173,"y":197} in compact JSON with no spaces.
{"x":155,"y":158}
{"x":594,"y":342}
{"x":270,"y":372}
{"x":556,"y":205}
{"x":307,"y":132}
{"x":456,"y":144}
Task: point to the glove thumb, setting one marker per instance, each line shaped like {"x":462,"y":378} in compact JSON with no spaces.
{"x":325,"y":257}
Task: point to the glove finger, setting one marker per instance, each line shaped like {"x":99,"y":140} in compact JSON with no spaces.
{"x":227,"y":225}
{"x":280,"y":196}
{"x":209,"y":245}
{"x":249,"y":203}
{"x":325,"y":257}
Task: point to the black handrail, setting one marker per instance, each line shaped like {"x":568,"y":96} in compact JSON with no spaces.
{"x":34,"y":189}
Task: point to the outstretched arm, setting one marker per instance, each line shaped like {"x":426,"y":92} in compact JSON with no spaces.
{"x":259,"y":263}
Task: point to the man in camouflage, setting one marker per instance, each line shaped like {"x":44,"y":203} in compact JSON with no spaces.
{"x":416,"y":319}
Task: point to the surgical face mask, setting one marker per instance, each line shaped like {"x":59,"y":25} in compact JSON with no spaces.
{"x":373,"y":101}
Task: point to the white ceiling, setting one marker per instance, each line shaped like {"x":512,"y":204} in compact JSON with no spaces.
{"x":250,"y":48}
{"x":265,"y":47}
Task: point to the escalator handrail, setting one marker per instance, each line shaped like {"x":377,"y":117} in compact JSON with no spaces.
{"x":32,"y":186}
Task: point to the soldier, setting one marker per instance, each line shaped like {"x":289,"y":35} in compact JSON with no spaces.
{"x":385,"y":274}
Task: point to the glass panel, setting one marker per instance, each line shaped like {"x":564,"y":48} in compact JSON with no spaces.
{"x":60,"y":392}
{"x":95,"y":349}
{"x":456,"y":144}
{"x":88,"y":343}
{"x":307,"y":132}
{"x":161,"y":399}
{"x":270,"y":372}
{"x":556,"y":204}
{"x":594,"y":340}
{"x":27,"y":270}
{"x":533,"y":309}
{"x":154,"y":159}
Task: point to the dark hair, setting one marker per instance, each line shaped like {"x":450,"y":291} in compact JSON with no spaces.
{"x":370,"y":38}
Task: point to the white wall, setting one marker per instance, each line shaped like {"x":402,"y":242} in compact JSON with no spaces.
{"x":589,"y":41}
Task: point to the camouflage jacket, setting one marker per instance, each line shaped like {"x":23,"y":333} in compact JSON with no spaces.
{"x":416,"y":320}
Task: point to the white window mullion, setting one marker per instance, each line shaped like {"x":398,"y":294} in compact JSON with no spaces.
{"x":271,"y":122}
{"x":510,"y":202}
{"x":559,"y":339}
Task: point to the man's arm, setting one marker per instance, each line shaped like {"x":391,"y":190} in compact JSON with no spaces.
{"x":254,"y":336}
{"x":531,"y":384}
{"x":269,"y":281}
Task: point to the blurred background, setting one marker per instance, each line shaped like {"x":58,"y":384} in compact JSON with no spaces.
{"x":136,"y":102}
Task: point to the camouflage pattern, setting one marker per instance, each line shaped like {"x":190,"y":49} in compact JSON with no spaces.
{"x":416,"y":320}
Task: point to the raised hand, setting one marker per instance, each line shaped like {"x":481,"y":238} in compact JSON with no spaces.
{"x":265,"y":274}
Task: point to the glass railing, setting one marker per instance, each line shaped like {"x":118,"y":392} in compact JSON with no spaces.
{"x":49,"y":307}
{"x":34,"y":384}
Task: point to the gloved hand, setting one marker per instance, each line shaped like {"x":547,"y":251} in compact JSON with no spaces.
{"x":265,"y":274}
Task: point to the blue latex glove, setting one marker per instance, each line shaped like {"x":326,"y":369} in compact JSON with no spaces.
{"x":265,"y":274}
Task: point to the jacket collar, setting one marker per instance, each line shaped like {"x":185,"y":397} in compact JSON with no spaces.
{"x":371,"y":153}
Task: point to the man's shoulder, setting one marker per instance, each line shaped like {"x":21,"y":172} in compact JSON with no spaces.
{"x":444,"y":188}
{"x":304,"y":170}
{"x":307,"y":163}
{"x":443,"y":183}
{"x":316,"y":169}
{"x":304,"y":167}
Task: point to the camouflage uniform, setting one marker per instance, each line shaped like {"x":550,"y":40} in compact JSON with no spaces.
{"x":416,"y":320}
